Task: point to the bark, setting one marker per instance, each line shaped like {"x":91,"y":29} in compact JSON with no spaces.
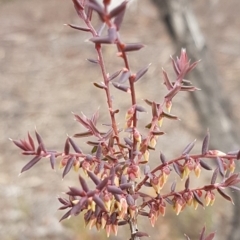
{"x":212,"y":104}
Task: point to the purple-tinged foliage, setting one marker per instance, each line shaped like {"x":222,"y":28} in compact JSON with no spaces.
{"x":118,"y":159}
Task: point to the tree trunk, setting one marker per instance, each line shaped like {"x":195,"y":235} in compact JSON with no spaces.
{"x":212,"y":104}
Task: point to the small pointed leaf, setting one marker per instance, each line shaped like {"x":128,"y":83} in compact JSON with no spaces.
{"x":93,"y":61}
{"x":204,"y":165}
{"x":197,"y":198}
{"x":84,"y":29}
{"x":205,"y":143}
{"x":66,"y":215}
{"x":224,"y":195}
{"x":83,"y":184}
{"x":188,"y":148}
{"x":130,"y":200}
{"x":118,"y":10}
{"x":19,"y":144}
{"x":238,"y":155}
{"x":99,"y":202}
{"x":114,"y":190}
{"x":52,"y":160}
{"x":141,"y":234}
{"x":202,"y":233}
{"x":103,"y":184}
{"x":75,"y":147}
{"x":177,"y":170}
{"x":187,"y":183}
{"x":210,"y":236}
{"x":94,"y":178}
{"x":122,"y":87}
{"x":124,"y":76}
{"x":83,"y":134}
{"x":68,"y":166}
{"x":66,"y":147}
{"x":130,"y":47}
{"x":100,"y":85}
{"x":173,"y":186}
{"x":214,"y":176}
{"x":162,"y":158}
{"x":114,"y":75}
{"x":220,"y":166}
{"x":119,"y":17}
{"x":31,"y":163}
{"x":30,"y":139}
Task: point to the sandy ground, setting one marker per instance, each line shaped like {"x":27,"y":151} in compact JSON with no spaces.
{"x":44,"y":76}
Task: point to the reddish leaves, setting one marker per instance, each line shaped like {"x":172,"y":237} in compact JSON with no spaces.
{"x":31,"y":163}
{"x":94,"y":178}
{"x":232,"y":180}
{"x":120,"y":14}
{"x":109,"y":39}
{"x":177,"y":169}
{"x":78,"y":5}
{"x":122,"y":87}
{"x":224,"y":195}
{"x":188,"y":148}
{"x":205,"y":143}
{"x":140,"y":234}
{"x":220,"y":166}
{"x":182,"y":64}
{"x":162,"y":158}
{"x":31,"y":142}
{"x":204,"y":165}
{"x":99,"y":202}
{"x":209,"y":237}
{"x":130,"y":47}
{"x":68,"y":166}
{"x":84,"y":29}
{"x":214,"y":176}
{"x":83,"y":184}
{"x":125,"y":74}
{"x":102,"y":184}
{"x":75,"y":147}
{"x":197,"y":198}
{"x":114,"y":167}
{"x":90,"y":124}
{"x":238,"y":155}
{"x":52,"y":160}
{"x":118,"y":10}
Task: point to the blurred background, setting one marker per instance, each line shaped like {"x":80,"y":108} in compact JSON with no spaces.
{"x":44,"y":76}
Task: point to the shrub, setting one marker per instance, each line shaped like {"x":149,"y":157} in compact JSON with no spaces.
{"x":117,"y":160}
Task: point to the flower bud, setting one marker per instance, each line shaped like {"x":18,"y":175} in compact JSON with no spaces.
{"x":130,"y":113}
{"x":195,"y":204}
{"x":188,"y":197}
{"x":209,"y":198}
{"x":137,"y":136}
{"x":63,"y":162}
{"x":162,"y":209}
{"x":108,"y":229}
{"x":231,"y":166}
{"x":169,"y":106}
{"x":197,"y":169}
{"x":160,"y":121}
{"x":186,"y":171}
{"x":152,"y":217}
{"x":123,"y":207}
{"x":76,"y":165}
{"x":179,"y":205}
{"x":153,"y":141}
{"x":146,"y":156}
